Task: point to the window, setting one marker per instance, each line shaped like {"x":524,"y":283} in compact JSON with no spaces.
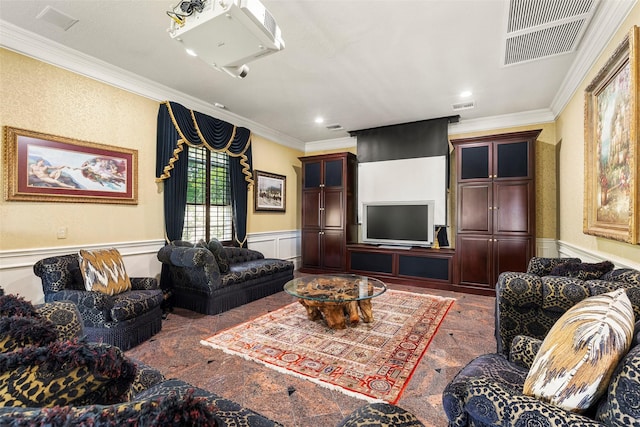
{"x":208,"y":213}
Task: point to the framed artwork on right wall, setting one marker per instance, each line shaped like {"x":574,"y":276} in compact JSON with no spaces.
{"x":612,"y":147}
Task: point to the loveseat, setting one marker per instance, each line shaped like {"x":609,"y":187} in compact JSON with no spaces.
{"x":489,"y":391}
{"x":210,"y":278}
{"x":123,"y":319}
{"x":72,"y":382}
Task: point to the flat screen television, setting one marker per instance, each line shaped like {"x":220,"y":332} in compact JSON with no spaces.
{"x":407,"y":223}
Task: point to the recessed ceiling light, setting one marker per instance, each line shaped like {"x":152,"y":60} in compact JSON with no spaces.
{"x":466,"y":94}
{"x":191,"y":52}
{"x":319,"y":120}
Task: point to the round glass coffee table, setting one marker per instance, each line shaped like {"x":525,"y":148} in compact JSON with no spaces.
{"x":336,"y":297}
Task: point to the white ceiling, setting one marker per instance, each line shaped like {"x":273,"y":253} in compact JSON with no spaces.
{"x":360,"y":64}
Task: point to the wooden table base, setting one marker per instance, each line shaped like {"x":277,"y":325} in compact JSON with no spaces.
{"x":336,"y":313}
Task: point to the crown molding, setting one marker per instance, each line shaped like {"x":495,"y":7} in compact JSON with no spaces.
{"x":330,"y":144}
{"x":604,"y":25}
{"x":524,"y":118}
{"x":30,"y":44}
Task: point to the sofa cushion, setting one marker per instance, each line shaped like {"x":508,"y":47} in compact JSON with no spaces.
{"x":220,"y":254}
{"x":103,"y":271}
{"x":629,"y":276}
{"x":169,"y":410}
{"x":582,"y":270}
{"x":578,"y":356}
{"x":597,"y":287}
{"x":249,"y":270}
{"x":20,"y":331}
{"x":132,"y":304}
{"x":65,"y":317}
{"x":64,"y":373}
{"x":559,"y":294}
{"x":621,"y":405}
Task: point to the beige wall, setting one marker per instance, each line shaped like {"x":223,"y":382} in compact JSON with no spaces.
{"x":275,"y":158}
{"x":570,"y":133}
{"x":44,"y":98}
{"x":40,"y":97}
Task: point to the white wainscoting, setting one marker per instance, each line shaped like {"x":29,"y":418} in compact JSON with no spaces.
{"x":17,"y":277}
{"x":567,"y":250}
{"x":16,"y":267}
{"x":277,"y":244}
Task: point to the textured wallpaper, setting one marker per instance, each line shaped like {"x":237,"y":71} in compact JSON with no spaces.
{"x":40,"y":97}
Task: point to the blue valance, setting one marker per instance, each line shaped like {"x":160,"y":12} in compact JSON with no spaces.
{"x":197,"y":129}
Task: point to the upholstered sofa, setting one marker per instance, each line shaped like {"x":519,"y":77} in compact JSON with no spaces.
{"x":128,"y":392}
{"x":489,"y":391}
{"x":124,"y":319}
{"x":210,"y":278}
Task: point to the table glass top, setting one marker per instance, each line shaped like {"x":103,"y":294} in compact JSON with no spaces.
{"x":335,"y":287}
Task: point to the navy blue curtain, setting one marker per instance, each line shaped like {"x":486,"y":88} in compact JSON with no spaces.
{"x":179,"y":128}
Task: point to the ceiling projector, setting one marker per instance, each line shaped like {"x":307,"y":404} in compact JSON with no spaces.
{"x":226,"y":34}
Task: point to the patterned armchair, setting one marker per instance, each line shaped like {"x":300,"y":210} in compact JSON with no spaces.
{"x":210,"y":278}
{"x":489,"y":390}
{"x":124,"y":320}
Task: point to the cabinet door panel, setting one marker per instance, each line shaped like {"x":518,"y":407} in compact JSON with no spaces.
{"x":473,"y":209}
{"x":333,"y":173}
{"x":511,"y":205}
{"x":511,"y":254}
{"x":311,"y":209}
{"x":512,"y":160}
{"x":474,"y":162}
{"x":312,"y":174}
{"x":333,"y":209}
{"x":474,"y":260}
{"x":333,"y":249}
{"x":311,"y":255}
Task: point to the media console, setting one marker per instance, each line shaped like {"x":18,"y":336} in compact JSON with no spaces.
{"x":422,"y":267}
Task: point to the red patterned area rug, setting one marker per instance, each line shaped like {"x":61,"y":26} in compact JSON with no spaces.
{"x":372,"y":361}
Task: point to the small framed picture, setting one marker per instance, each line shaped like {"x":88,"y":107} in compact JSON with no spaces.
{"x":269,"y":192}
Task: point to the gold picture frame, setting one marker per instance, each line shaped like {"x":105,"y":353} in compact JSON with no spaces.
{"x":48,"y":168}
{"x":269,"y":192}
{"x":612,"y":146}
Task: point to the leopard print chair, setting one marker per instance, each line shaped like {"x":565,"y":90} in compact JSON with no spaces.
{"x":489,"y":390}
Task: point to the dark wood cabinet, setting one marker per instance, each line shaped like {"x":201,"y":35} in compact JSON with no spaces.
{"x":329,"y":220}
{"x":424,"y":267}
{"x":495,"y":224}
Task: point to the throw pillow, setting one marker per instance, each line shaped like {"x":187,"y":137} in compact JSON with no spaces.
{"x":582,"y":271}
{"x":103,"y":271}
{"x":64,"y":373}
{"x":12,"y":305}
{"x":20,"y":331}
{"x":220,"y":255}
{"x":578,"y":356}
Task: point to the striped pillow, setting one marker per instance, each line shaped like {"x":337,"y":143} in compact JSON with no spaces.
{"x":103,"y":271}
{"x":577,"y":358}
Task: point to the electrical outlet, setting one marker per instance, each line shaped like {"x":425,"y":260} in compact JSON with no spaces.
{"x":62,"y":232}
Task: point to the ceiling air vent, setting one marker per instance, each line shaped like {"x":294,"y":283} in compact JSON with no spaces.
{"x":464,"y":106}
{"x":539,"y":29}
{"x":335,"y":126}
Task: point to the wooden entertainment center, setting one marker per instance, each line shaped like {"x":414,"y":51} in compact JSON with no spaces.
{"x":430,"y":268}
{"x":494,"y":229}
